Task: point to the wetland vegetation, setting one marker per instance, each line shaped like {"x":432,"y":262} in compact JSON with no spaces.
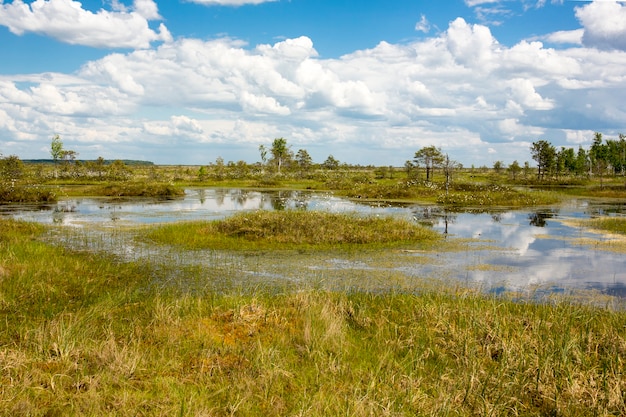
{"x":86,"y":332}
{"x":294,"y":230}
{"x":609,"y":224}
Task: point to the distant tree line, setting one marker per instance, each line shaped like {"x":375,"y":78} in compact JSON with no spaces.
{"x":281,"y":156}
{"x":604,"y":157}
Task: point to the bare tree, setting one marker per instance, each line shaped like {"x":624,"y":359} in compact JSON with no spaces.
{"x":449,"y":166}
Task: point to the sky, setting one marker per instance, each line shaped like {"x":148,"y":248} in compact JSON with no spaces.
{"x":185,"y":82}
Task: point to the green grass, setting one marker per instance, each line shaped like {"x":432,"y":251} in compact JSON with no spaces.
{"x":140,"y":189}
{"x":595,"y":191}
{"x":468,"y":188}
{"x":293,"y":229}
{"x":126,"y":189}
{"x":83,"y":334}
{"x":609,"y":224}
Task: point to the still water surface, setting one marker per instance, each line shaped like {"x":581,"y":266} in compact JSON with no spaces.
{"x":513,"y":249}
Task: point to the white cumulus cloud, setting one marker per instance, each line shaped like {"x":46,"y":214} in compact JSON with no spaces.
{"x":604,"y":23}
{"x":423,"y":25}
{"x":262,"y":104}
{"x":67,"y":21}
{"x":574,"y":37}
{"x":461,"y":90}
{"x":470,"y":44}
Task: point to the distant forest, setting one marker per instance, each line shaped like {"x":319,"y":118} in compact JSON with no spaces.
{"x":83,"y":161}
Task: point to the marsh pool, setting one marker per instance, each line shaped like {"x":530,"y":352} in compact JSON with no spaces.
{"x":505,"y":249}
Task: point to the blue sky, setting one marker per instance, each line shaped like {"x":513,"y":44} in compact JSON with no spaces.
{"x":367,"y":81}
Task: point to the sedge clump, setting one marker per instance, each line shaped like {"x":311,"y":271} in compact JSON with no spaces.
{"x":293,"y":229}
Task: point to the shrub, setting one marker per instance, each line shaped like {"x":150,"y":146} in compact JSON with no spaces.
{"x":141,"y":189}
{"x":11,"y":193}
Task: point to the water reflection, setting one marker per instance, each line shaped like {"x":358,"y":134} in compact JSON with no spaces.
{"x":538,"y":249}
{"x":513,"y":249}
{"x":539,"y":218}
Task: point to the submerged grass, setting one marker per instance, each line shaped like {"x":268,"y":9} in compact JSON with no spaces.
{"x":293,"y":229}
{"x":613,"y":229}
